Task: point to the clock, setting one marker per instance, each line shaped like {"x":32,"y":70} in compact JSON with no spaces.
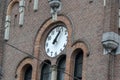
{"x":56,"y":40}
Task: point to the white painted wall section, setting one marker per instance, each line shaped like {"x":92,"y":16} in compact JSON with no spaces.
{"x":7,"y":28}
{"x":35,"y":5}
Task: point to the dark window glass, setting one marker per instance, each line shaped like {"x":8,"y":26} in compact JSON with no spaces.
{"x":46,"y":72}
{"x":78,"y":66}
{"x":61,"y":68}
{"x":28,"y":73}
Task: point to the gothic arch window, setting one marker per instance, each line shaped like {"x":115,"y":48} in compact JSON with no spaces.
{"x":78,"y":64}
{"x":45,"y":71}
{"x":28,"y":73}
{"x":61,"y":68}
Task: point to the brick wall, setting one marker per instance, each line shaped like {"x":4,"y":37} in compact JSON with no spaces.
{"x":2,"y":18}
{"x":89,"y":20}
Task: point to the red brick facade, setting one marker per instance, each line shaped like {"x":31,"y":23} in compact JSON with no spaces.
{"x":86,"y":21}
{"x":2,"y":18}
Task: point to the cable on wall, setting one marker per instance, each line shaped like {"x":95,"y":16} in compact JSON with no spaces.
{"x":41,"y":61}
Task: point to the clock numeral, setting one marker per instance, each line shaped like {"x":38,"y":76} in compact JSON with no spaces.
{"x":66,"y":38}
{"x":46,"y":44}
{"x":52,"y":33}
{"x":55,"y":53}
{"x":51,"y":53}
{"x":61,"y":50}
{"x":61,"y":28}
{"x":64,"y":45}
{"x":57,"y":29}
{"x":48,"y":50}
{"x":49,"y":38}
{"x":66,"y":32}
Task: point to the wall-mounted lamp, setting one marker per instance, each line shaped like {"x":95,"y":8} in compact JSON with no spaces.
{"x":110,"y":42}
{"x":55,"y":6}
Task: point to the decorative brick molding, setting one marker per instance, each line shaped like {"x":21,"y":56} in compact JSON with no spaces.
{"x":70,"y":48}
{"x":70,"y":60}
{"x":47,"y":25}
{"x":81,"y":45}
{"x":41,"y":33}
{"x":10,"y":6}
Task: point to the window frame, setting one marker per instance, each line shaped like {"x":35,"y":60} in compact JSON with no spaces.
{"x":80,"y":53}
{"x":45,"y":64}
{"x":26,"y":69}
{"x":63,"y":57}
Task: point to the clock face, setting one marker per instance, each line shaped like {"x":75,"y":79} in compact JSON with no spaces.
{"x":56,"y":41}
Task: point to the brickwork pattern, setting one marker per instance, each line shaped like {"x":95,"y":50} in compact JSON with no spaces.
{"x":2,"y":18}
{"x":89,"y":19}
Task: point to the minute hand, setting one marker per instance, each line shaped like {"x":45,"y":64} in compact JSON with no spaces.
{"x":55,"y":40}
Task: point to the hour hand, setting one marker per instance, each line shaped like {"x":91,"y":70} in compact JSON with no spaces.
{"x":55,"y":40}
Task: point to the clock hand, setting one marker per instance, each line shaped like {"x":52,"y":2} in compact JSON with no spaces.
{"x":55,"y":40}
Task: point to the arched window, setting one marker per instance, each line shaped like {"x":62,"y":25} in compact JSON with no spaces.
{"x":28,"y":73}
{"x":61,"y":68}
{"x":46,"y":72}
{"x":78,"y":64}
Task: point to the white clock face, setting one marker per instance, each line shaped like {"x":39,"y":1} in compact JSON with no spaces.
{"x":56,"y":41}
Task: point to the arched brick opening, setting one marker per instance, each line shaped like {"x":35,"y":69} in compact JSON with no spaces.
{"x":78,"y":47}
{"x":44,"y":63}
{"x":39,"y":36}
{"x":22,"y":68}
{"x":47,"y":25}
{"x":10,"y":6}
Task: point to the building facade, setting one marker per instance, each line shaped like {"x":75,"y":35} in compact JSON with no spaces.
{"x":2,"y":21}
{"x":82,"y":43}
